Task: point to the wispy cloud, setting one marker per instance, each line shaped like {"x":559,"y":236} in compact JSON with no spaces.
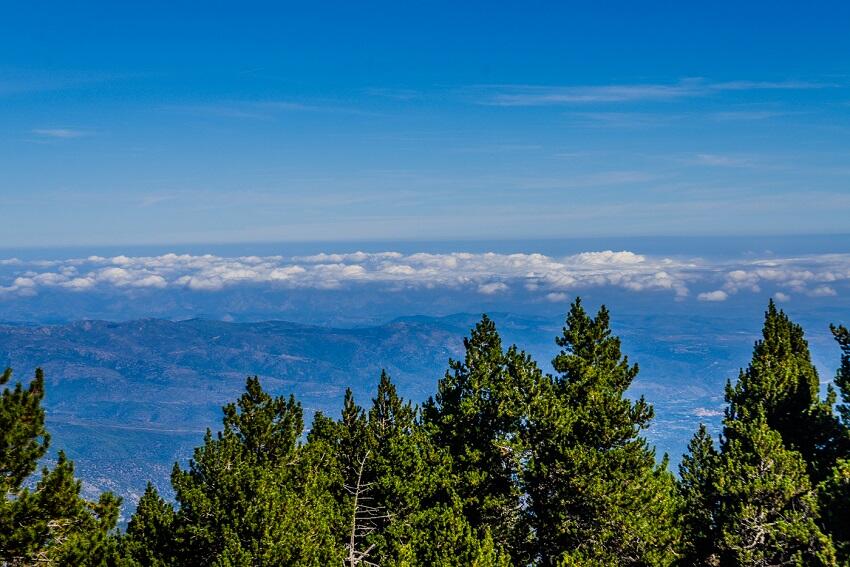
{"x":746,"y":115}
{"x":589,"y":180}
{"x":395,"y":94}
{"x":151,"y":200}
{"x":621,"y":119}
{"x":59,"y":133}
{"x":24,"y":81}
{"x":263,"y":109}
{"x":721,"y":160}
{"x":769,"y":85}
{"x":531,"y":95}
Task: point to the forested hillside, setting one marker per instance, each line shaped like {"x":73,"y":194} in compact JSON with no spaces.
{"x":506,"y":464}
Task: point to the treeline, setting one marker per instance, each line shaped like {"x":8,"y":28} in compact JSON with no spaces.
{"x":505,"y":465}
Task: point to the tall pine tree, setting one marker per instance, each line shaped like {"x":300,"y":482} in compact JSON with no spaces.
{"x":409,"y":512}
{"x":597,"y":495}
{"x":782,"y":384}
{"x":754,"y":502}
{"x":478,"y":416}
{"x":149,"y":540}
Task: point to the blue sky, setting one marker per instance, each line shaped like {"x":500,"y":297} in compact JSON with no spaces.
{"x":163,"y":123}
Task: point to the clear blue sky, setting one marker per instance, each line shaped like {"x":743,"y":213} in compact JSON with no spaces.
{"x":179,"y":122}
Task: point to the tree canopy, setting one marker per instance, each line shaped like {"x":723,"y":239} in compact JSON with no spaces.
{"x":504,"y":465}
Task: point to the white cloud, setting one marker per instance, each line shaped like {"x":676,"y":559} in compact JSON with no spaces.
{"x":823,"y":291}
{"x":610,"y":257}
{"x":78,"y":284}
{"x":549,"y":278}
{"x":491,"y":288}
{"x":717,"y":295}
{"x":779,"y":296}
{"x":151,"y":281}
{"x":707,"y":412}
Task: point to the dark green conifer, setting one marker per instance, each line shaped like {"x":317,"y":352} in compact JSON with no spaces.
{"x":699,"y":499}
{"x":597,"y":495}
{"x":834,"y":498}
{"x":754,"y":502}
{"x":782,"y":384}
{"x":842,"y":379}
{"x":767,"y":507}
{"x":253,"y":495}
{"x":478,"y":416}
{"x":149,"y":537}
{"x":834,"y":491}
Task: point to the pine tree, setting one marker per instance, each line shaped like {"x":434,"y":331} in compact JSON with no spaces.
{"x":477,"y":415}
{"x":782,"y":384}
{"x":834,"y":499}
{"x":252,"y":495}
{"x":412,"y":515}
{"x":699,"y":499}
{"x":597,"y":496}
{"x":834,"y":491}
{"x":842,"y":382}
{"x":753,"y":502}
{"x":148,"y":540}
{"x":50,"y":523}
{"x":767,"y":507}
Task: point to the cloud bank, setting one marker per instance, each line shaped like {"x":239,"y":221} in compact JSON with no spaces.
{"x":488,"y":274}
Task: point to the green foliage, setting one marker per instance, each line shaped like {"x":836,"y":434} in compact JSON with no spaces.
{"x":834,"y":495}
{"x":834,"y":491}
{"x":409,"y":512}
{"x":782,"y":384}
{"x":597,"y":496}
{"x":503,"y":466}
{"x":754,"y":502}
{"x":48,"y":523}
{"x":252,"y":495}
{"x":700,"y":501}
{"x":842,"y":375}
{"x":767,"y":508}
{"x":148,"y":539}
{"x":478,"y":416}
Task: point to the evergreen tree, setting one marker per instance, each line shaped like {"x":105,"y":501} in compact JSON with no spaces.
{"x":842,"y":381}
{"x":478,"y":416}
{"x":782,"y":384}
{"x":700,"y":504}
{"x":597,"y":496}
{"x":148,"y":540}
{"x":767,"y":507}
{"x":834,"y":498}
{"x":252,"y":495}
{"x":834,"y":491}
{"x":50,"y":523}
{"x":753,"y":503}
{"x":412,"y":515}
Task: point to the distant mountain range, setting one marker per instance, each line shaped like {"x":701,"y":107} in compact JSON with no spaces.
{"x":127,"y":399}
